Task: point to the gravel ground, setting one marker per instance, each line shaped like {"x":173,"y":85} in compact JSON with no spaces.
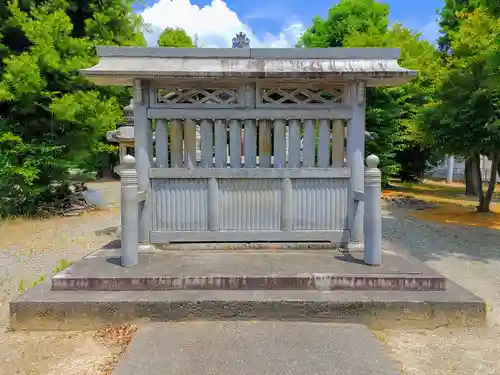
{"x":468,"y":256}
{"x":31,"y":248}
{"x":471,"y":258}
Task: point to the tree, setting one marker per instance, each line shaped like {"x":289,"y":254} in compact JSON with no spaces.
{"x":449,"y":20}
{"x":451,"y":17}
{"x":177,"y":38}
{"x":51,"y":118}
{"x":412,"y":153}
{"x":345,"y":18}
{"x":465,"y":118}
{"x":391,"y":112}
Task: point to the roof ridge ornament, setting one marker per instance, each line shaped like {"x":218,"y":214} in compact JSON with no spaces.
{"x":241,"y":41}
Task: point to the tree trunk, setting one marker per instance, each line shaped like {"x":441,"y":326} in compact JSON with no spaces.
{"x":469,"y":180}
{"x":498,"y":167}
{"x":485,"y":204}
{"x":477,"y":180}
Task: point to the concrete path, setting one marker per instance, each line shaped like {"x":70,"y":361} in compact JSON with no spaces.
{"x":254,"y":348}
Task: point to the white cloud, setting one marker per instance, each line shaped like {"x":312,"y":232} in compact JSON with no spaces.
{"x":215,"y":25}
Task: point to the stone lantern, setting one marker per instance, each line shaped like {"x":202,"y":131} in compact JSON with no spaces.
{"x":124,"y":136}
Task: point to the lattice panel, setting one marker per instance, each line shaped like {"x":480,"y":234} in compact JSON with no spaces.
{"x":300,"y":96}
{"x":196,"y":96}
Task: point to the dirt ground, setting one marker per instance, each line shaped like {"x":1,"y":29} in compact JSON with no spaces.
{"x":30,"y":248}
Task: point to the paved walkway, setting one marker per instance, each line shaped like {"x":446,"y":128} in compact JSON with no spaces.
{"x":254,"y":348}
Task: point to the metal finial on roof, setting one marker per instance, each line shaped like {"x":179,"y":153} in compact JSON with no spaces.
{"x":241,"y":41}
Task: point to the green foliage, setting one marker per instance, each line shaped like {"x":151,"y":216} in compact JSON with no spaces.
{"x":61,"y":265}
{"x":391,"y":112}
{"x":177,"y":38}
{"x":464,"y":119}
{"x":53,"y":119}
{"x":345,"y":18}
{"x":449,"y":22}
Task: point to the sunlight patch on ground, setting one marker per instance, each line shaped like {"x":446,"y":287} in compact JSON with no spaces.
{"x":460,"y":215}
{"x":452,"y":205}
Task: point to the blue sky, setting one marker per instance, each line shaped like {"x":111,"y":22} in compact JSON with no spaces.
{"x":269,"y":23}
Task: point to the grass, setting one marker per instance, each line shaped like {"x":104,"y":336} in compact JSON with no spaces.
{"x":61,"y":265}
{"x":452,"y":206}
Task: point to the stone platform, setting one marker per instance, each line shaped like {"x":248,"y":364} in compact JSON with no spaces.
{"x":323,"y":285}
{"x":254,"y":348}
{"x":248,"y":270}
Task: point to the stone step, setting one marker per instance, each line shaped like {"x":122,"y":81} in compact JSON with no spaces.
{"x":254,"y":348}
{"x":320,"y":270}
{"x":41,"y":308}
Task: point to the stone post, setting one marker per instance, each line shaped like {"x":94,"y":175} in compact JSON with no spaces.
{"x":129,"y":213}
{"x":373,"y":212}
{"x":354,"y":96}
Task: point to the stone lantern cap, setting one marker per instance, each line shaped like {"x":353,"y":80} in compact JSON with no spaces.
{"x":124,"y":134}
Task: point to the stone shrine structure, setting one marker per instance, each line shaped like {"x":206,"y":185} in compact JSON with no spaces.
{"x":176,"y":201}
{"x":273,"y":194}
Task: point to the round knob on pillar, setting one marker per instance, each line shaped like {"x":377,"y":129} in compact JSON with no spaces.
{"x":128,"y":160}
{"x":372,"y":161}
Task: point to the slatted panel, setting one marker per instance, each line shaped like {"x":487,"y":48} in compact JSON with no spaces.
{"x":319,"y":204}
{"x":262,"y":204}
{"x":180,"y":204}
{"x":247,"y":204}
{"x":265,"y":143}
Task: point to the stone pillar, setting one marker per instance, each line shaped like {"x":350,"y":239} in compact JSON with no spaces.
{"x":143,"y":133}
{"x":129,"y":213}
{"x":354,"y":96}
{"x":449,"y":169}
{"x":373,"y":212}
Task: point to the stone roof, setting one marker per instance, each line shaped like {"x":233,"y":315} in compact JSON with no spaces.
{"x":120,"y":65}
{"x":122,"y":134}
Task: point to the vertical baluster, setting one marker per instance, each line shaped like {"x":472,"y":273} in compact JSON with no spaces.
{"x":207,"y":141}
{"x":294,"y":144}
{"x":176,"y":143}
{"x":235,"y":143}
{"x":248,"y":94}
{"x":338,"y":139}
{"x":161,"y":134}
{"x":220,"y":144}
{"x":190,"y":143}
{"x":279,"y":143}
{"x":309,"y":143}
{"x":323,"y":143}
{"x":250,"y":144}
{"x":264,"y":144}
